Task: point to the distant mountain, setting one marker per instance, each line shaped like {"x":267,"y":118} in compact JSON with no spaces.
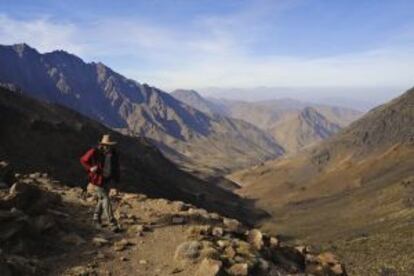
{"x":194,"y":99}
{"x":354,"y":189}
{"x":304,"y":129}
{"x":293,"y":124}
{"x":202,"y":143}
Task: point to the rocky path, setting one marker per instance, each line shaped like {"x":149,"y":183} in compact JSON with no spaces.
{"x":45,"y":229}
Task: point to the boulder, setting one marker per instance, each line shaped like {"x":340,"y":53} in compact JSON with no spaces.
{"x":209,"y":267}
{"x":233,"y":225}
{"x":30,"y":198}
{"x":255,"y":238}
{"x":273,"y":242}
{"x":217,"y":232}
{"x":99,"y":241}
{"x":35,"y":175}
{"x":229,"y":252}
{"x":241,"y":269}
{"x":188,"y":251}
{"x":223,"y":243}
{"x":324,"y":264}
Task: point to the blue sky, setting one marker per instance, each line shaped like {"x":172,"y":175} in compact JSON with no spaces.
{"x":228,"y":43}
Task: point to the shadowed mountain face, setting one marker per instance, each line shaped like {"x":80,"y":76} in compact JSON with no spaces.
{"x":293,"y":124}
{"x":210,"y":144}
{"x":38,"y":136}
{"x":355,"y":189}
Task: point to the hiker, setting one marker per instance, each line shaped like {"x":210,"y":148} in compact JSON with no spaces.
{"x":102,"y":165}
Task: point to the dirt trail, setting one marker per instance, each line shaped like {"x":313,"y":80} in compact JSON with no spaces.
{"x":46,"y":229}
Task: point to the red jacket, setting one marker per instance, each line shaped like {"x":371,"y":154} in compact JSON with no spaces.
{"x":95,"y":157}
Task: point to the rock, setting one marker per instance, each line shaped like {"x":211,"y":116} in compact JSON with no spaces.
{"x":199,"y":230}
{"x":82,"y":271}
{"x":303,"y":249}
{"x":255,"y":238}
{"x":129,"y":196}
{"x":100,"y":256}
{"x":19,"y":187}
{"x":177,"y":270}
{"x":243,"y":248}
{"x":215,"y":216}
{"x":217,"y":232}
{"x":43,"y":223}
{"x":289,"y":259}
{"x":229,"y":252}
{"x":188,"y":251}
{"x":233,"y":225}
{"x":241,"y":269}
{"x":209,"y":252}
{"x":73,"y":238}
{"x":177,"y":220}
{"x":223,"y":243}
{"x":30,"y":198}
{"x":324,"y":264}
{"x":99,"y":241}
{"x":209,"y":267}
{"x":143,"y":262}
{"x":122,"y":245}
{"x":273,"y":242}
{"x":123,"y":259}
{"x":263,"y":266}
{"x":35,"y":175}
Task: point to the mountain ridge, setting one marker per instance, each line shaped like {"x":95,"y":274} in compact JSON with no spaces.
{"x":194,"y":140}
{"x":288,"y":121}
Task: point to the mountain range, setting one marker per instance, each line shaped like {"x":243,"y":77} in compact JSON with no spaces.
{"x":202,"y":143}
{"x":352,"y":192}
{"x":292,"y":123}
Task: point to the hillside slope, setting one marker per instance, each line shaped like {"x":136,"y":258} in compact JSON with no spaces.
{"x":197,"y":141}
{"x":355,"y":190}
{"x":40,"y":136}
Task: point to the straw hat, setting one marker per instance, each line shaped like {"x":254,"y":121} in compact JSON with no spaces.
{"x":106,"y":140}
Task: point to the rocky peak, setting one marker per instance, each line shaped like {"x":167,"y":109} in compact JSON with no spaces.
{"x":187,"y":93}
{"x":23,"y":49}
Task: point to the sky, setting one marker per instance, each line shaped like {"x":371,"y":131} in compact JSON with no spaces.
{"x":228,"y":43}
